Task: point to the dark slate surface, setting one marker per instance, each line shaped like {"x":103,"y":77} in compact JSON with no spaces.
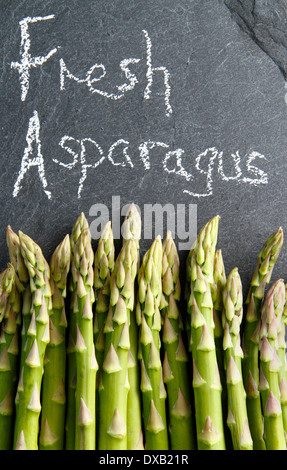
{"x":265,"y":21}
{"x":226,"y":94}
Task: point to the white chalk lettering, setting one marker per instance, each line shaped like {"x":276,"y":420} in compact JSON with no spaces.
{"x":96,"y":72}
{"x":144,"y":149}
{"x":85,"y":165}
{"x":211,"y":154}
{"x":171,"y":161}
{"x":150,"y":73}
{"x":125,"y":153}
{"x":177,"y":167}
{"x":64,"y":72}
{"x":85,"y":154}
{"x":128,"y":74}
{"x":27,"y":61}
{"x":75,"y":155}
{"x":236,"y":158}
{"x":261,"y":176}
{"x":80,"y":156}
{"x":33,"y":136}
{"x":90,"y":80}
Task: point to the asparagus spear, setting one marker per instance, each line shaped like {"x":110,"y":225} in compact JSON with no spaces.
{"x":206,"y":380}
{"x":132,"y":229}
{"x":113,"y":390}
{"x":270,"y":327}
{"x":283,"y":365}
{"x":28,"y":404}
{"x":231,"y":319}
{"x":80,"y":226}
{"x":10,"y":308}
{"x":16,"y":258}
{"x":103,"y":266}
{"x":23,"y":285}
{"x":187,"y":293}
{"x":262,"y":274}
{"x":217,"y":292}
{"x":54,"y":379}
{"x":175,"y":365}
{"x":86,"y":364}
{"x":149,"y":320}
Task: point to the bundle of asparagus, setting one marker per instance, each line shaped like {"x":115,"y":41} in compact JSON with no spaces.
{"x":104,"y":352}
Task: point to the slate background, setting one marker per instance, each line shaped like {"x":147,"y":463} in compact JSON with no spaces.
{"x":226,"y":92}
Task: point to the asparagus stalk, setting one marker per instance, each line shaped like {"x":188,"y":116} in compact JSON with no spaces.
{"x":262,"y":274}
{"x":272,"y":311}
{"x":86,"y":364}
{"x":52,"y":427}
{"x":23,"y":285}
{"x":113,"y":390}
{"x":206,"y":380}
{"x":103,"y":267}
{"x":131,"y":229}
{"x":16,"y":258}
{"x":187,"y":293}
{"x":28,"y":405}
{"x":283,"y":365}
{"x":217,"y":288}
{"x":10,"y":308}
{"x":80,"y":226}
{"x":175,"y":366}
{"x":231,"y":319}
{"x":149,"y":320}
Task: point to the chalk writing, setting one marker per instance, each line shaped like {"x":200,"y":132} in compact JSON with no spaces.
{"x":145,"y":148}
{"x":208,"y":173}
{"x":94,"y":74}
{"x":125,"y":153}
{"x":32,"y":137}
{"x":118,"y":155}
{"x":176,"y":167}
{"x":195,"y":171}
{"x":27,"y":61}
{"x":150,"y":72}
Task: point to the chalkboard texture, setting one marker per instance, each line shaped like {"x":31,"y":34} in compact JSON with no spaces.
{"x":105,"y":103}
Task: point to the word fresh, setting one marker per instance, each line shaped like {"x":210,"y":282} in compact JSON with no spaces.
{"x":96,"y":72}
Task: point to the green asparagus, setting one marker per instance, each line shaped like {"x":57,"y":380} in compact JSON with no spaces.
{"x":10,"y":308}
{"x":54,"y":379}
{"x":206,"y":379}
{"x":103,"y":267}
{"x":262,"y":274}
{"x":80,"y":226}
{"x":217,"y":291}
{"x":23,"y":285}
{"x":86,"y":364}
{"x":270,"y":326}
{"x":149,"y":321}
{"x":113,"y":389}
{"x":131,"y":229}
{"x":187,"y":293}
{"x":237,"y":419}
{"x":283,"y":365}
{"x":28,"y":405}
{"x":16,"y":258}
{"x":175,"y":364}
